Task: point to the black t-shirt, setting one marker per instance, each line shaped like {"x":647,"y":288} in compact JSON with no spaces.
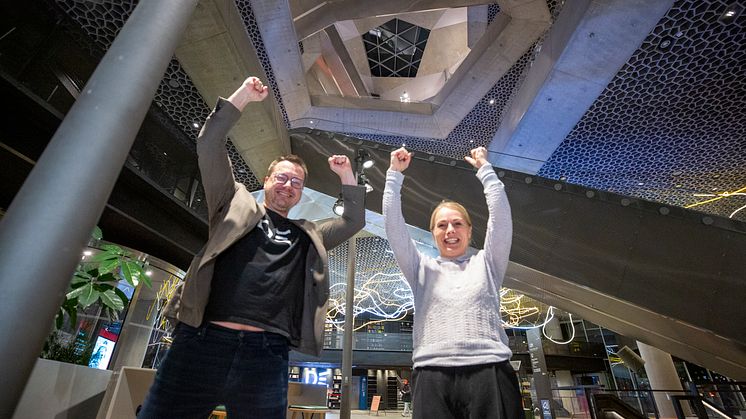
{"x":259,"y":280}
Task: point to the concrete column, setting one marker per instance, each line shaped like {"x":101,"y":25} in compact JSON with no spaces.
{"x":662,"y":376}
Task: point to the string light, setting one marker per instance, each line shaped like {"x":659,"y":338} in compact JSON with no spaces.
{"x":719,"y":196}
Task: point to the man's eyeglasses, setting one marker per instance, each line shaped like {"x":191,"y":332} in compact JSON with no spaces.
{"x":295,"y":182}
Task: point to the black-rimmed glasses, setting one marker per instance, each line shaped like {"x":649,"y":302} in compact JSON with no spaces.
{"x":295,"y":182}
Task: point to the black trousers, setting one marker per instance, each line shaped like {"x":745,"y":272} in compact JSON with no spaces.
{"x":487,"y":391}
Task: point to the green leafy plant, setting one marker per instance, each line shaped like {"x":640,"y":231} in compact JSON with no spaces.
{"x":72,"y":351}
{"x":95,"y":279}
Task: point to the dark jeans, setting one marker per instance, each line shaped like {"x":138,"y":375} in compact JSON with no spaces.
{"x":212,"y":365}
{"x":488,"y":391}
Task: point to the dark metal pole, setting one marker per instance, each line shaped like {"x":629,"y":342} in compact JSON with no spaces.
{"x":344,"y":407}
{"x":52,"y":216}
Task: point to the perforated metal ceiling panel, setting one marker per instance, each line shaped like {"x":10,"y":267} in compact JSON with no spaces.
{"x":671,"y":123}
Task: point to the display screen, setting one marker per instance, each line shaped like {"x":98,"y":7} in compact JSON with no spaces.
{"x":101,"y":353}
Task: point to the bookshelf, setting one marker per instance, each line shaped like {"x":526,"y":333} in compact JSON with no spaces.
{"x":372,"y":387}
{"x":392,"y":393}
{"x":335,"y":391}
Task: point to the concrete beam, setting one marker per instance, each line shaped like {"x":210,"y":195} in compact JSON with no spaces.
{"x":343,"y":68}
{"x":503,"y":44}
{"x":679,"y":338}
{"x":588,"y":44}
{"x":218,"y":56}
{"x":276,"y":27}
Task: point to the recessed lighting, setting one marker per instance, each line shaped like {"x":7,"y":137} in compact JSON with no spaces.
{"x":492,"y":101}
{"x":87,"y":253}
{"x":165,"y":154}
{"x":195,"y":124}
{"x":640,"y":183}
{"x":310,"y":122}
{"x":731,"y":13}
{"x":665,"y":44}
{"x":149,"y":273}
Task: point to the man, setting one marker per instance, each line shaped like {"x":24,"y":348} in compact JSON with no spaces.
{"x":258,"y":286}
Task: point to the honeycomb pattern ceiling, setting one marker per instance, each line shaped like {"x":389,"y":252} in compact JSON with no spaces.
{"x":670,"y":126}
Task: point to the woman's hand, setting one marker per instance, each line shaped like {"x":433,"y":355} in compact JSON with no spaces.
{"x":400,"y":159}
{"x":478,"y":157}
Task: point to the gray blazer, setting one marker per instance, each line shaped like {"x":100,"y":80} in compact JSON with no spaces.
{"x":233,"y":212}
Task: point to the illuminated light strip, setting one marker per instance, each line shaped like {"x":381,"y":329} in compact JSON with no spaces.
{"x":389,"y":297}
{"x":544,"y":332}
{"x":717,"y":197}
{"x":736,"y":211}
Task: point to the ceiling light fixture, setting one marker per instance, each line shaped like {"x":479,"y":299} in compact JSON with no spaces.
{"x":339,"y":206}
{"x":665,"y":44}
{"x":404,"y":98}
{"x":731,"y":13}
{"x":363,"y":180}
{"x":364,"y":158}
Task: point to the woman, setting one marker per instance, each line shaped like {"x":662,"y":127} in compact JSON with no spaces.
{"x":460,"y":348}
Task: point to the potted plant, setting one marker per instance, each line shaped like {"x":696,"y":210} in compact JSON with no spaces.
{"x":95,"y":280}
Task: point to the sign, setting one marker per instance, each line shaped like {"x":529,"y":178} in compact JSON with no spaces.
{"x":374,"y":403}
{"x":317,"y":377}
{"x":546,"y":409}
{"x":541,"y":379}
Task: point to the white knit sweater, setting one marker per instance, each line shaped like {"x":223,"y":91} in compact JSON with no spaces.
{"x":457,"y":301}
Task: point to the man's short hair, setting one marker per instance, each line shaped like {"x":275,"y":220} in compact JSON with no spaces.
{"x":292,"y":158}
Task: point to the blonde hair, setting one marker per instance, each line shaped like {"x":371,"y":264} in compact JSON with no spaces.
{"x":452,"y":205}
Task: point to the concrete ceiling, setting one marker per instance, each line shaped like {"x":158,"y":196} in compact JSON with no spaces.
{"x":218,"y":56}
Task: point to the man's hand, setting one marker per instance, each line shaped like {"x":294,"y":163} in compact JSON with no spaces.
{"x":478,"y":157}
{"x":341,"y":165}
{"x":255,"y":89}
{"x":251,"y":90}
{"x":400,"y":159}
